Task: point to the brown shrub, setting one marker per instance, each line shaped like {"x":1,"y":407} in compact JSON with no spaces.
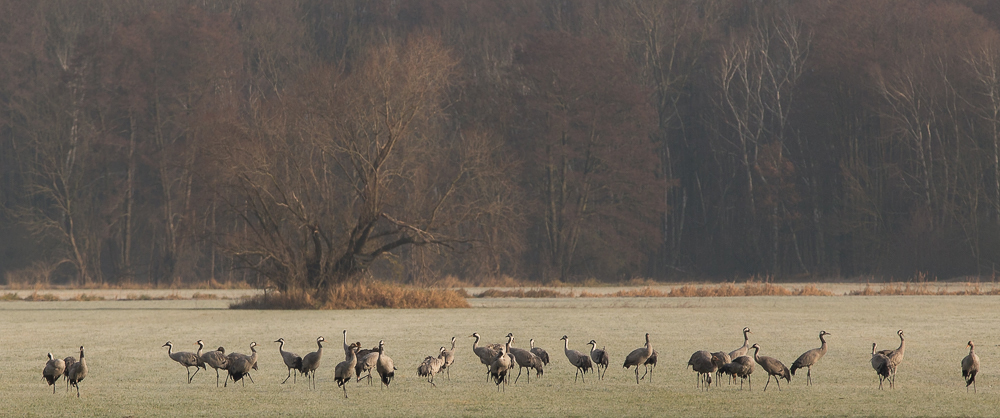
{"x":10,"y":296}
{"x":358,"y":296}
{"x":36,"y":297}
{"x":202,"y":296}
{"x":276,"y":300}
{"x":83,"y":297}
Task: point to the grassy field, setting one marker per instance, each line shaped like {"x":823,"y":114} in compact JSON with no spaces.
{"x":131,"y":375}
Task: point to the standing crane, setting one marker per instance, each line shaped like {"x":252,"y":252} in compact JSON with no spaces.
{"x":601,"y":359}
{"x":292,"y":361}
{"x":809,"y":358}
{"x":311,"y":361}
{"x":639,"y":356}
{"x":78,"y":372}
{"x":970,"y":366}
{"x":185,"y":358}
{"x":772,"y":366}
{"x":53,"y":369}
{"x":578,"y":360}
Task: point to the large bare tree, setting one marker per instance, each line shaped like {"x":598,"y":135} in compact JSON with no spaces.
{"x":359,"y":165}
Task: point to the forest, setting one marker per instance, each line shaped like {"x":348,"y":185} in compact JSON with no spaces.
{"x":306,"y":143}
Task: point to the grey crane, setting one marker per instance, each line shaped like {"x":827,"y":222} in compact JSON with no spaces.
{"x":292,"y":361}
{"x":70,"y":361}
{"x":349,"y":348}
{"x":538,"y":351}
{"x":650,"y":364}
{"x":311,"y":361}
{"x":772,"y":366}
{"x":232,"y":358}
{"x":78,"y":372}
{"x":486,"y":354}
{"x":881,"y":365}
{"x":239,"y":365}
{"x":719,"y":359}
{"x":216,"y":359}
{"x":344,"y":371}
{"x":809,"y":358}
{"x":449,"y":358}
{"x":185,"y":358}
{"x":366,"y":362}
{"x":53,"y":369}
{"x":639,"y":356}
{"x":970,"y":366}
{"x":525,"y":359}
{"x":600,"y":358}
{"x":431,"y":366}
{"x":741,"y":367}
{"x":895,"y":358}
{"x":499,"y":367}
{"x":745,"y":348}
{"x":701,"y":363}
{"x":578,"y":360}
{"x":386,"y":370}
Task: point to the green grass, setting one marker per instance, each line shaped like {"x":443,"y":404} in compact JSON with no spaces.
{"x":131,"y":375}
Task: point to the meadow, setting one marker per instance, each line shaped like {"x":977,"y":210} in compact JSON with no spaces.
{"x":131,"y":375}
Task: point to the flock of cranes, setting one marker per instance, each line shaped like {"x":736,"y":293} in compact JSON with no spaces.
{"x":500,"y":359}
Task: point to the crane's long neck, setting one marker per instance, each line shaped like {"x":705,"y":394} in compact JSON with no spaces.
{"x":566,"y":344}
{"x":649,"y":347}
{"x":902,"y":343}
{"x":592,"y":348}
{"x":253,"y":357}
{"x":873,"y":349}
{"x":200,"y":348}
{"x":755,"y":351}
{"x":453,"y":343}
{"x":972,"y":349}
{"x":169,"y":350}
{"x":281,"y":345}
{"x":475,"y":344}
{"x":823,"y":341}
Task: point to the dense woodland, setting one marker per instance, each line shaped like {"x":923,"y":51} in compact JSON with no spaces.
{"x":305,"y":143}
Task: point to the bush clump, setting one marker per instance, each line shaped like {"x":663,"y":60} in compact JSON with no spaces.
{"x":364,"y":295}
{"x":521,"y":293}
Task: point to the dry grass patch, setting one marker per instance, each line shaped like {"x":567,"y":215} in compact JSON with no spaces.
{"x":922,"y":289}
{"x":365,"y":295}
{"x":10,"y":297}
{"x":83,"y":297}
{"x":43,"y":297}
{"x":751,"y":288}
{"x":521,"y":293}
{"x":204,"y":296}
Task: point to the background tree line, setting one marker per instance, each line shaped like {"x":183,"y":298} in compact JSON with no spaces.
{"x":304,"y":143}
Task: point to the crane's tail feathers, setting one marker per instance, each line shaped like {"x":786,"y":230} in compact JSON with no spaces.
{"x":971,"y":378}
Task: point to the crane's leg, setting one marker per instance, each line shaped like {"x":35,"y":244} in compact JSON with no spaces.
{"x":251,"y":379}
{"x":216,"y":377}
{"x":345,"y":389}
{"x":193,"y":375}
{"x":583,"y":376}
{"x":768,"y":383}
{"x":189,"y":374}
{"x":288,"y":377}
{"x":637,"y":374}
{"x":77,"y":389}
{"x":750,"y":383}
{"x":809,"y":381}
